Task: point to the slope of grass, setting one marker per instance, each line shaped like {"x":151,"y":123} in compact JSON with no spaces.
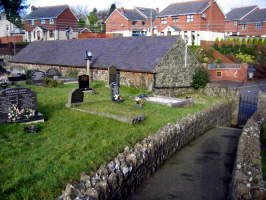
{"x":38,"y":166}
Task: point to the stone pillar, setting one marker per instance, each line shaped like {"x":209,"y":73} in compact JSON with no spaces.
{"x":262,"y":103}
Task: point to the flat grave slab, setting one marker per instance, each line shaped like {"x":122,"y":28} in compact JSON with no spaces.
{"x":170,"y":101}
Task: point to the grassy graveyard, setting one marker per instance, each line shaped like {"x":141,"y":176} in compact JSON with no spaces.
{"x":39,"y":165}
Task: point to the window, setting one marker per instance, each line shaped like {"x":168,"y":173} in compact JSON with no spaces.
{"x":42,"y":21}
{"x":163,"y":20}
{"x":143,"y":23}
{"x":51,"y":34}
{"x":174,"y":19}
{"x":32,"y":22}
{"x":219,"y":74}
{"x":189,"y":18}
{"x":244,"y":27}
{"x":162,"y":33}
{"x":34,"y":35}
{"x":51,"y":21}
{"x":134,"y":23}
{"x":7,"y":27}
{"x":235,"y":23}
{"x":258,"y":26}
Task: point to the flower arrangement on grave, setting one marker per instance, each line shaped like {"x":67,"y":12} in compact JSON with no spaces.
{"x":3,"y":81}
{"x":118,"y":98}
{"x":139,"y":100}
{"x":14,"y":113}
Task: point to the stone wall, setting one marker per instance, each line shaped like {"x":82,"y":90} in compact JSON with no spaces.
{"x":121,"y":176}
{"x":6,"y":59}
{"x":172,"y":71}
{"x":131,"y":79}
{"x":247,"y":182}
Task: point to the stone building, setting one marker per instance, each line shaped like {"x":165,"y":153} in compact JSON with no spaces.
{"x":145,"y":62}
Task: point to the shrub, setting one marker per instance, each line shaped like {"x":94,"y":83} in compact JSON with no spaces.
{"x":254,"y":41}
{"x":245,"y":58}
{"x":218,"y":60}
{"x":21,"y":43}
{"x":238,"y":41}
{"x":51,"y":83}
{"x":249,"y":41}
{"x":200,"y":78}
{"x":28,"y":81}
{"x":215,"y":46}
{"x":244,"y":42}
{"x":260,"y":41}
{"x":264,"y":41}
{"x":228,"y":40}
{"x":217,"y":39}
{"x":72,"y":73}
{"x":222,"y":40}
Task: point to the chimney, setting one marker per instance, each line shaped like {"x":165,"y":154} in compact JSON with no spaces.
{"x":157,"y":10}
{"x":33,"y":8}
{"x":123,"y":9}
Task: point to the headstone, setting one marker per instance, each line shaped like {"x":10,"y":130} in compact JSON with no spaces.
{"x":37,"y":76}
{"x":114,"y":89}
{"x":52,"y":72}
{"x":84,"y":82}
{"x":18,"y":105}
{"x":2,"y":63}
{"x":113,"y":75}
{"x":75,"y":97}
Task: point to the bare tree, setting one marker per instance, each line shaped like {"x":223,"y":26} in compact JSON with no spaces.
{"x":81,"y":11}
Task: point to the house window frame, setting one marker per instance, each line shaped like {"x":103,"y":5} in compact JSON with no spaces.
{"x":175,"y":19}
{"x":51,"y":21}
{"x":134,"y":23}
{"x":190,"y":18}
{"x":244,"y":27}
{"x":235,"y":23}
{"x":163,"y":20}
{"x":51,"y":34}
{"x":7,"y":27}
{"x":219,"y":74}
{"x":32,"y":22}
{"x":42,"y":21}
{"x":143,"y":23}
{"x":258,"y":26}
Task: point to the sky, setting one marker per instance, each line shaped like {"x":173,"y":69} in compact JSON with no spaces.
{"x":226,"y":5}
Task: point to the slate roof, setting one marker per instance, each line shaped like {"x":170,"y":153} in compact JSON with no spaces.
{"x":132,"y":15}
{"x":238,"y":13}
{"x":176,"y":28}
{"x":129,"y":54}
{"x":46,"y":12}
{"x":258,"y":16}
{"x":183,"y":8}
{"x":148,"y":12}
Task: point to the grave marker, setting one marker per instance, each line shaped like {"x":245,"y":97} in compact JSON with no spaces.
{"x":36,"y":76}
{"x":18,"y":105}
{"x":84,"y":82}
{"x":52,"y":73}
{"x":113,"y":75}
{"x":75,"y":97}
{"x":114,"y":89}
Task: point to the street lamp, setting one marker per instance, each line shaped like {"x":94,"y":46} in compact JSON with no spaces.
{"x":88,"y":58}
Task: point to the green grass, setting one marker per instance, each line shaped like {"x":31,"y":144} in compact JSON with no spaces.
{"x":263,"y":151}
{"x":38,"y":166}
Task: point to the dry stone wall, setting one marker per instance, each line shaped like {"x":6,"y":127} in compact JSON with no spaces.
{"x":247,"y":182}
{"x":120,"y":177}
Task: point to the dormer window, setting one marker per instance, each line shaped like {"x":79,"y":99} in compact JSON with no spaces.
{"x":190,"y":18}
{"x":42,"y":21}
{"x":163,"y":20}
{"x":51,"y":21}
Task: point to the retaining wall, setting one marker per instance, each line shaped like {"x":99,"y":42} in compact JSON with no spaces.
{"x":121,"y":176}
{"x":247,"y":181}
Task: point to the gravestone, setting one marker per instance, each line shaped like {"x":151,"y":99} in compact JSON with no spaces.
{"x":84,"y":82}
{"x":114,"y":89}
{"x":18,"y":105}
{"x":75,"y":97}
{"x":36,"y":76}
{"x":52,"y":73}
{"x":113,"y":75}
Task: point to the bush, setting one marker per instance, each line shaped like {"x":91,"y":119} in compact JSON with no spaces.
{"x":249,"y":41}
{"x":217,"y":39}
{"x":260,"y":41}
{"x":215,"y":46}
{"x":200,"y":78}
{"x":21,"y":43}
{"x":264,"y":41}
{"x":254,"y":41}
{"x":72,"y":73}
{"x":244,"y":42}
{"x":28,"y":81}
{"x":238,"y":41}
{"x":51,"y":83}
{"x":218,"y":60}
{"x":245,"y":58}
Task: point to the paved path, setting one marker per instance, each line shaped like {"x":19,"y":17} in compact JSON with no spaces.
{"x":200,"y":171}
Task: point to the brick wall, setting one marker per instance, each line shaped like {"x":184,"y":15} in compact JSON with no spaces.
{"x":252,"y":31}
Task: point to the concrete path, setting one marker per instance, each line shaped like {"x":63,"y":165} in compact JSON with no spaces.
{"x":200,"y":171}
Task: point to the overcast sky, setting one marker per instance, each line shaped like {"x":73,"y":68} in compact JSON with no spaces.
{"x":226,"y":5}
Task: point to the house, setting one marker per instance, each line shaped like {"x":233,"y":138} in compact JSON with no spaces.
{"x":50,"y":23}
{"x":131,"y":22}
{"x":194,"y":20}
{"x":145,"y":62}
{"x":233,"y":18}
{"x":254,"y":24}
{"x":8,"y":31}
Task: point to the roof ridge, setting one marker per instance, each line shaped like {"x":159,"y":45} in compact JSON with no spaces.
{"x":52,"y":6}
{"x":146,"y":8}
{"x":190,"y":1}
{"x":245,"y":7}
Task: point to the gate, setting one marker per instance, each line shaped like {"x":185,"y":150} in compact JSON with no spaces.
{"x":247,"y":107}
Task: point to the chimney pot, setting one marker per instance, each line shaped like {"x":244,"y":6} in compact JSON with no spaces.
{"x":123,"y":9}
{"x":157,"y":10}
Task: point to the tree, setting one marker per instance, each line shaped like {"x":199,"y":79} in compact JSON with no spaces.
{"x":80,"y":11}
{"x":13,"y":9}
{"x":200,"y":78}
{"x":93,"y":17}
{"x":81,"y":23}
{"x":111,"y":9}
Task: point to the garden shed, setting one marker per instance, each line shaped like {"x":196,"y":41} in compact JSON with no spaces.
{"x":145,"y":62}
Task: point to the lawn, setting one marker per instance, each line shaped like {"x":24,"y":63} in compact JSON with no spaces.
{"x":38,"y":166}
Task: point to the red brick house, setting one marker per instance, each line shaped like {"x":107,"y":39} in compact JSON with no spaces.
{"x":50,"y":23}
{"x":234,"y":17}
{"x":196,"y":20}
{"x":131,"y":22}
{"x":254,"y":24}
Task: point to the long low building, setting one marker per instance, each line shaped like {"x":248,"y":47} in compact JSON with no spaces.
{"x":145,"y":62}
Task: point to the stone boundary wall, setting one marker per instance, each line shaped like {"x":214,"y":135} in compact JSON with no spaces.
{"x":120,"y":177}
{"x":247,"y":181}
